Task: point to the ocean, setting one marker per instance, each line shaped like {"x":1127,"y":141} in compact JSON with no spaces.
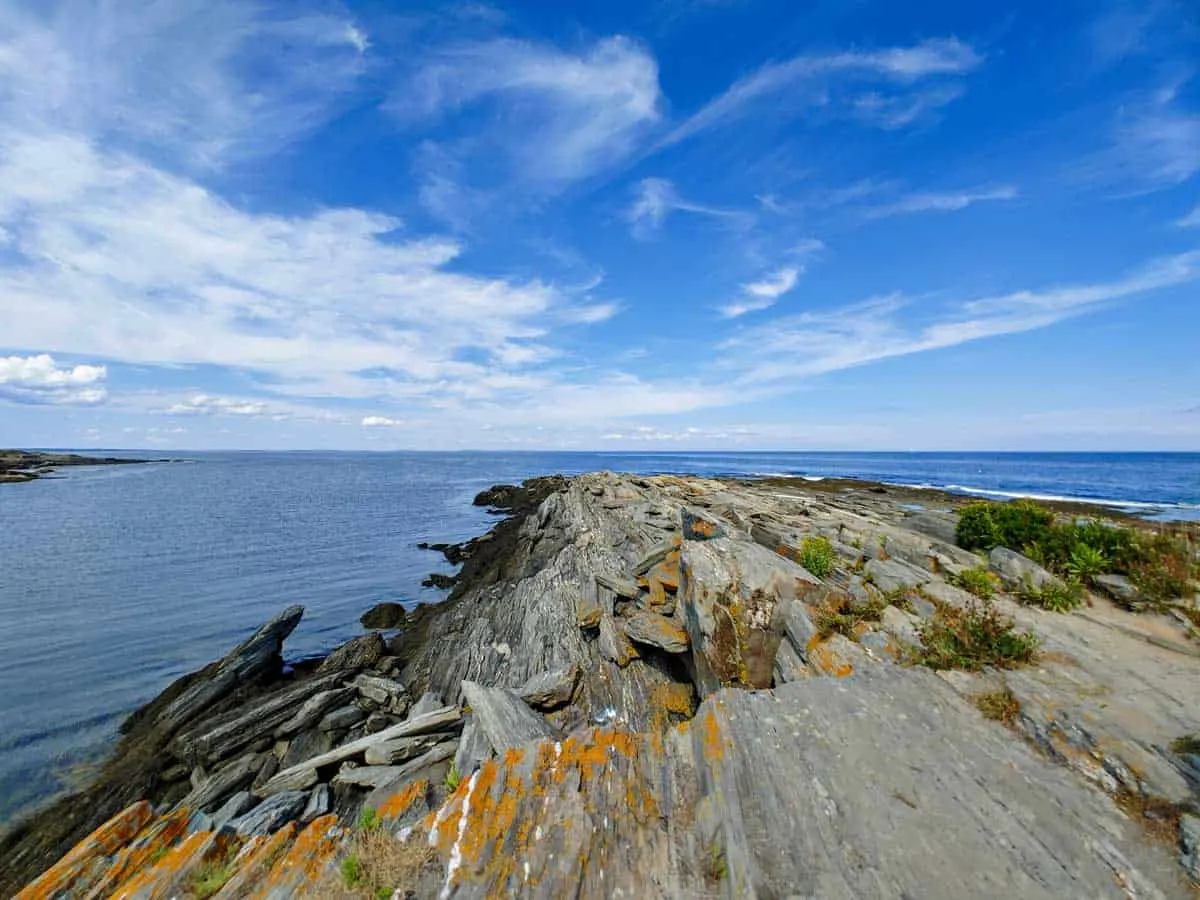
{"x":116,"y":580}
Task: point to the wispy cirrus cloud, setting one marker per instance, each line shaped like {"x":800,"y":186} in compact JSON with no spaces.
{"x":760,"y":295}
{"x":1155,"y":144}
{"x":40,"y":379}
{"x":1191,"y":220}
{"x":657,"y":198}
{"x":892,"y":326}
{"x":899,"y":66}
{"x":941,"y":201}
{"x":557,"y":116}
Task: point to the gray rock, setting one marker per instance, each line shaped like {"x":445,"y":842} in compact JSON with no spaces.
{"x":653,"y":558}
{"x":304,"y":775}
{"x":473,"y":749}
{"x":239,"y":803}
{"x":342,"y":718}
{"x":391,"y":753}
{"x":1189,"y":846}
{"x":922,"y":606}
{"x":550,"y":690}
{"x":357,"y":653}
{"x":306,"y":745}
{"x":377,"y":721}
{"x":1016,"y":570}
{"x":270,"y":815}
{"x":622,"y":587}
{"x":788,"y":666}
{"x":505,"y":719}
{"x":313,"y":709}
{"x":318,"y":804}
{"x":614,"y":644}
{"x":901,"y":625}
{"x":896,"y":575}
{"x":644,"y":627}
{"x":948,"y":594}
{"x":735,"y":597}
{"x":370,"y":777}
{"x":258,"y":655}
{"x":384,"y":615}
{"x":429,"y":702}
{"x":384,"y":691}
{"x":699,"y":527}
{"x":209,"y":792}
{"x":1118,"y":588}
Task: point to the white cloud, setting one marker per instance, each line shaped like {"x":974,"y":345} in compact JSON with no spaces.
{"x":887,"y":327}
{"x":901,"y":66}
{"x":1191,"y":220}
{"x":760,"y":295}
{"x":558,"y":116}
{"x":140,"y":75}
{"x":39,"y":379}
{"x":1155,"y":144}
{"x":892,"y":112}
{"x":380,"y":422}
{"x":657,"y":199}
{"x":949,"y":201}
{"x":208,"y":405}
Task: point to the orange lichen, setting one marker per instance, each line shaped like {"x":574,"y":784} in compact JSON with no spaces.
{"x":151,"y":843}
{"x":85,"y":860}
{"x":711,"y":742}
{"x":666,"y":574}
{"x":305,"y":861}
{"x":401,"y":802}
{"x":163,"y":878}
{"x":826,"y":659}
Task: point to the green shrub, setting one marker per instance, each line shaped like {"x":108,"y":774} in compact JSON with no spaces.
{"x":972,"y":638}
{"x":1052,"y":596}
{"x":1162,"y":567}
{"x":369,"y":819}
{"x":841,"y":614}
{"x":1021,"y":522}
{"x":976,"y":580}
{"x":975,"y":529}
{"x":816,"y":555}
{"x":453,"y":777}
{"x":210,"y":877}
{"x":1086,"y":562}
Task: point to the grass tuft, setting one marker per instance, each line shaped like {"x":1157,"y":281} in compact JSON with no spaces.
{"x":213,"y":875}
{"x":999,"y":706}
{"x":369,"y":819}
{"x":976,"y":580}
{"x":841,"y":614}
{"x":1052,"y":596}
{"x":1188,"y":745}
{"x":453,"y":777}
{"x":816,"y":555}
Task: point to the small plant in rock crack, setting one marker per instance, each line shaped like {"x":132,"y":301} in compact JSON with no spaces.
{"x":1086,"y":563}
{"x":999,"y":706}
{"x":716,"y":867}
{"x":816,"y":555}
{"x":1052,"y":596}
{"x":976,"y":580}
{"x":453,"y":777}
{"x":369,"y":819}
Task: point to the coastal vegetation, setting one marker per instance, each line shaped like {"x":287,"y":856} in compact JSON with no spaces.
{"x":816,"y":555}
{"x":971,"y":638}
{"x":1160,"y":562}
{"x":976,"y":580}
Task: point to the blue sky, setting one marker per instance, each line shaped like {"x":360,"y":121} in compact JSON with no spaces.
{"x":668,"y":224}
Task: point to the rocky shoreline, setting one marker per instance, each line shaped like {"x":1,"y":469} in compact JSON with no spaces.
{"x":19,"y":466}
{"x":663,"y":687}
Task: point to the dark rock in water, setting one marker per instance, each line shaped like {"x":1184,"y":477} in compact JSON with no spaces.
{"x":499,"y":496}
{"x":454,"y":553}
{"x":361,"y":652}
{"x":384,"y":615}
{"x":271,"y":815}
{"x":439,"y":581}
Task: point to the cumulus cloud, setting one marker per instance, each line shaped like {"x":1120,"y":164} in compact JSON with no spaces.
{"x":380,"y":422}
{"x":39,"y":379}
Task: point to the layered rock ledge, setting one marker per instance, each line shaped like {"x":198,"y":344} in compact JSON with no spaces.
{"x":18,"y":466}
{"x":635,"y":689}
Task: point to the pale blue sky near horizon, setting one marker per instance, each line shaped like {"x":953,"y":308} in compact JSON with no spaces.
{"x":654,"y":226}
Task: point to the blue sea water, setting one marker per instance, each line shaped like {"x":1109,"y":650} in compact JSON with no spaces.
{"x":116,"y":580}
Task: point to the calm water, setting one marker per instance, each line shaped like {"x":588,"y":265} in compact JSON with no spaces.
{"x":114,"y":581}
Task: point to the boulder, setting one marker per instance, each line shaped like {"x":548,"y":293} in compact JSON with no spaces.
{"x":318,"y":804}
{"x":360,"y":652}
{"x":237,"y":805}
{"x":384,"y":615}
{"x":550,"y":690}
{"x":1118,"y":588}
{"x":271,"y":815}
{"x":788,"y":665}
{"x":473,"y":748}
{"x":613,"y":644}
{"x":429,"y":702}
{"x":644,"y":627}
{"x":313,"y":710}
{"x":342,"y":718}
{"x":1017,"y":571}
{"x":505,"y":719}
{"x":385,"y":692}
{"x":391,"y":753}
{"x":734,"y":597}
{"x":895,"y":575}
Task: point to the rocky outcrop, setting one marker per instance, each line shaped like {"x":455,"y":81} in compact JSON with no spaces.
{"x":646,"y":694}
{"x":17,"y":466}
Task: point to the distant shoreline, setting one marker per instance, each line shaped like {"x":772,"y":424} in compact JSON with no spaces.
{"x":19,"y":466}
